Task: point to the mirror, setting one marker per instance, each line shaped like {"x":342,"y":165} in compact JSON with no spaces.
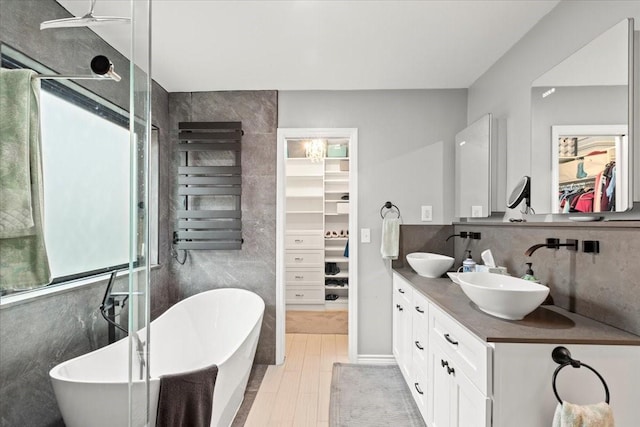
{"x":521,"y":191}
{"x":473,"y":170}
{"x":581,"y":111}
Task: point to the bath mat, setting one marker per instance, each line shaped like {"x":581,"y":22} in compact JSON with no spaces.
{"x":371,"y":396}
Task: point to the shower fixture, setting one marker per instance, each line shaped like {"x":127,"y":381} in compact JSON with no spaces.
{"x":100,"y":65}
{"x":87,"y":20}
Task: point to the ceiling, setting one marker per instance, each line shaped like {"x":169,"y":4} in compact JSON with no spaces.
{"x":324,"y":45}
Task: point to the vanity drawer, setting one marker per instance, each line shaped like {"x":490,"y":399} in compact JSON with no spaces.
{"x":466,"y":351}
{"x":420,"y":327}
{"x":304,"y":258}
{"x":419,"y":388}
{"x":304,"y":276}
{"x":304,"y":241}
{"x":302,"y":295}
{"x":402,"y":290}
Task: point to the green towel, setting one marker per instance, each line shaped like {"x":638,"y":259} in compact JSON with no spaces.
{"x":23,"y":258}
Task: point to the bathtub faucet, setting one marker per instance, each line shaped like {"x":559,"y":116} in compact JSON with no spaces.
{"x":140,"y":353}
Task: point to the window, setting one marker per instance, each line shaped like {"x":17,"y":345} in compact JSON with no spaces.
{"x":86,"y":188}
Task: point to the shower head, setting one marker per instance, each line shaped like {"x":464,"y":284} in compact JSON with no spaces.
{"x":87,"y":20}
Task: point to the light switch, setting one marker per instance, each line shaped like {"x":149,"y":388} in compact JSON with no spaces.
{"x":365,"y":235}
{"x":427,"y":213}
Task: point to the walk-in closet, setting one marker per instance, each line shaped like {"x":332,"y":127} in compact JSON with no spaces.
{"x":316,"y":250}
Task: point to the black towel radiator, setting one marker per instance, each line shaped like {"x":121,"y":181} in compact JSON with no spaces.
{"x":213,"y":219}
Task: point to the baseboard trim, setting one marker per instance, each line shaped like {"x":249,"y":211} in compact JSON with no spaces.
{"x":377,"y":359}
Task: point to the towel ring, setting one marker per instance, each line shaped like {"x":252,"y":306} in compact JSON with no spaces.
{"x":562,"y":356}
{"x":389,"y":205}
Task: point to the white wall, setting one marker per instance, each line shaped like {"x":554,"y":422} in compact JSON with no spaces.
{"x":405,"y":146}
{"x":504,"y":90}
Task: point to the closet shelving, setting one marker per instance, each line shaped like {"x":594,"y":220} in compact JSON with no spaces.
{"x":316,"y":203}
{"x":336,"y":218}
{"x":303,"y":238}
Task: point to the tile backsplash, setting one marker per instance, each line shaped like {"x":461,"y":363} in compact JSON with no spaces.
{"x":603,"y":286}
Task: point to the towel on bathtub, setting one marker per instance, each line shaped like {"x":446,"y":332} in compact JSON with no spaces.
{"x":186,"y":399}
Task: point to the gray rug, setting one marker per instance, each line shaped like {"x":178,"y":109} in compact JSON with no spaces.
{"x":371,"y":396}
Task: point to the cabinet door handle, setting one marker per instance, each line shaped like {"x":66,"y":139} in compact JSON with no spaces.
{"x":418,"y":309}
{"x":298,"y":259}
{"x":418,"y":388}
{"x":397,"y":306}
{"x":400,"y":290}
{"x":299,"y":240}
{"x":299,"y":277}
{"x":451,"y":340}
{"x":299,"y":295}
{"x":400,"y":308}
{"x":451,"y":371}
{"x":419,"y":346}
{"x":443,"y":363}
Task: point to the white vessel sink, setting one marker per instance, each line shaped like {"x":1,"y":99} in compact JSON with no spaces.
{"x":503,"y":296}
{"x":429,"y":265}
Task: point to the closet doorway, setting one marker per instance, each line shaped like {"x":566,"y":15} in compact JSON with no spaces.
{"x":317,"y":219}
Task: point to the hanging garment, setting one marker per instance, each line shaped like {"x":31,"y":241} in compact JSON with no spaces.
{"x":585,"y":202}
{"x":598,"y":193}
{"x":604,"y":199}
{"x":581,"y":173}
{"x":611,"y":190}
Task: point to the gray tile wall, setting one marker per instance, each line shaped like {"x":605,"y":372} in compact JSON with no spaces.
{"x":35,"y":336}
{"x":253,"y":267}
{"x":605,"y":287}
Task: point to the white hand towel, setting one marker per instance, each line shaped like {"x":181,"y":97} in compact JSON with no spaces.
{"x":390,"y":238}
{"x":570,"y":415}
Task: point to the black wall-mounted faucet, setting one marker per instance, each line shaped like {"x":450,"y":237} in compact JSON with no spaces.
{"x":553,"y":243}
{"x":466,"y":235}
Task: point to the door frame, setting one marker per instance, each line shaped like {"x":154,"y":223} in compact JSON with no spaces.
{"x":298,"y":133}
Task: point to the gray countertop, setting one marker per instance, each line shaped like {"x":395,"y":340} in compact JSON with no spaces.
{"x":547,"y":324}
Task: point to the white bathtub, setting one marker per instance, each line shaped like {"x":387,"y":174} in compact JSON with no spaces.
{"x":215,"y":327}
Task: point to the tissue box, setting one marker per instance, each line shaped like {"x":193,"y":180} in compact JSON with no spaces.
{"x":336,"y":150}
{"x":486,"y":269}
{"x":342,"y":207}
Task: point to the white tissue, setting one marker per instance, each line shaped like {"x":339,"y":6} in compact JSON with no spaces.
{"x":487,"y":258}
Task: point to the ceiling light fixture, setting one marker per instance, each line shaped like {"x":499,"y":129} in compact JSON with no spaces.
{"x":315,"y":149}
{"x":549,"y":92}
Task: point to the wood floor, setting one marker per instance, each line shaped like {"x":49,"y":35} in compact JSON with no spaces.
{"x":297,"y":392}
{"x":317,"y":322}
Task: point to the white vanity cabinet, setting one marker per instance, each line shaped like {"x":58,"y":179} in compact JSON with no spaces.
{"x":402,"y":297}
{"x":504,"y":379}
{"x":419,"y":343}
{"x":460,"y":368}
{"x":411,"y":339}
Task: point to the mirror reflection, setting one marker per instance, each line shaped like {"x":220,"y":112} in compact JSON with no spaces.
{"x":586,"y":171}
{"x":579,"y":122}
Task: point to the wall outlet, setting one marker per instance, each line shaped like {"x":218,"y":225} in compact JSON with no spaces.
{"x":476,"y":211}
{"x":427,"y":213}
{"x":365,"y":235}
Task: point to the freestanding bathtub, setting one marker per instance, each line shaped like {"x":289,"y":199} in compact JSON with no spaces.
{"x":219,"y":327}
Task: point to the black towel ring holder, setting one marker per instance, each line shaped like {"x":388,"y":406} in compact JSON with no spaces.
{"x":388,"y":205}
{"x":562,"y":356}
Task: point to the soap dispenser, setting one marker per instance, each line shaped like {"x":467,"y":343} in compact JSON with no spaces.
{"x":528,"y":275}
{"x":468,"y":265}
